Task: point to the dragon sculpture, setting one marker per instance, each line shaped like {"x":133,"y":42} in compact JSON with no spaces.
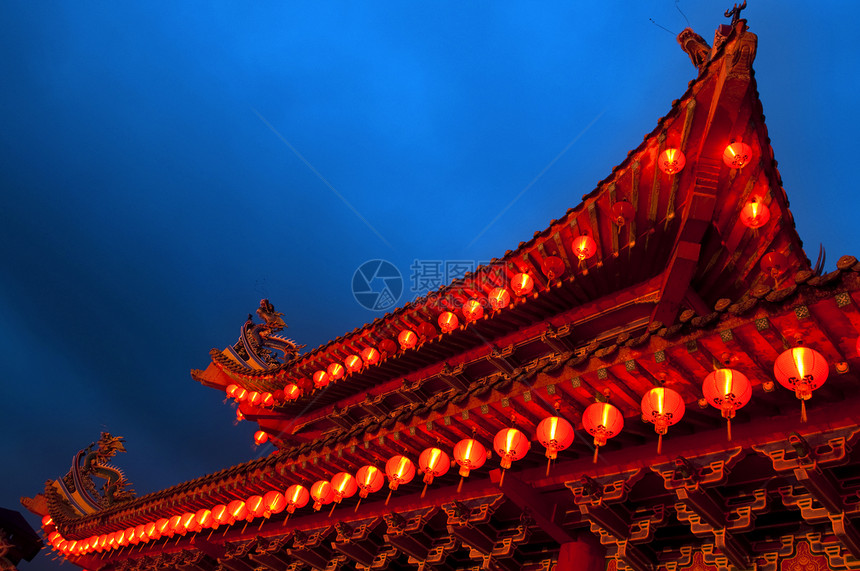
{"x":76,"y":494}
{"x":259,"y":346}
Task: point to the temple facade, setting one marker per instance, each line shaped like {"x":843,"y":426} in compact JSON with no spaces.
{"x":640,"y":385}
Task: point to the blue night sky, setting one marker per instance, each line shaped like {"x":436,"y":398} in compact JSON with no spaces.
{"x":165,"y":165}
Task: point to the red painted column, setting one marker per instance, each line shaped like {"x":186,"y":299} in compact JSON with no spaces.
{"x":583,"y":554}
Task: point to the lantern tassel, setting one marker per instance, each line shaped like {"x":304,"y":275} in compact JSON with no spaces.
{"x":286,"y":519}
{"x":802,"y":410}
{"x":502,"y":479}
{"x":331,"y":511}
{"x":548,"y":462}
{"x":729,"y":428}
{"x":210,"y":535}
{"x":358,"y":504}
{"x":460,"y":485}
{"x":261,"y":525}
{"x":659,"y":444}
{"x":243,"y":528}
{"x":596,"y":450}
{"x":389,"y":496}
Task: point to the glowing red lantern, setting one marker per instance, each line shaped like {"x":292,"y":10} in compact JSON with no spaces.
{"x":584,"y":247}
{"x":671,"y":161}
{"x":162,"y":528}
{"x":323,"y":494}
{"x":274,"y":503}
{"x":400,"y":470}
{"x":292,"y":392}
{"x":335,"y":371}
{"x":256,"y":507}
{"x":203,"y":519}
{"x":189,"y":522}
{"x":121,"y":536}
{"x":755,"y":214}
{"x":737,"y":155}
{"x":727,"y":390}
{"x":602,"y":421}
{"x":555,"y":433}
{"x":622,"y":212}
{"x":238,"y":510}
{"x":353,"y":363}
{"x":268,"y":400}
{"x":664,"y":407}
{"x":369,"y":480}
{"x":344,"y":486}
{"x":407,"y":339}
{"x":261,"y":437}
{"x":370,"y":355}
{"x":433,"y":462}
{"x":499,"y":298}
{"x":426,"y":330}
{"x":511,"y":444}
{"x":254,"y":398}
{"x":297,"y":496}
{"x":522,"y":284}
{"x":231,"y":390}
{"x":140,"y":534}
{"x":240,"y":394}
{"x":387,"y":347}
{"x":179,"y":522}
{"x":552,"y":267}
{"x":321,"y":379}
{"x":448,"y":321}
{"x":801,"y":370}
{"x":473,"y":310}
{"x":469,"y":455}
{"x":220,"y":515}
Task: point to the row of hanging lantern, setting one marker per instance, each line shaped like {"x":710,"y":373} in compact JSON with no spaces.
{"x":800,"y":369}
{"x":736,"y":155}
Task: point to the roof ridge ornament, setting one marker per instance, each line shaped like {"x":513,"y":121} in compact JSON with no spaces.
{"x":735,"y":12}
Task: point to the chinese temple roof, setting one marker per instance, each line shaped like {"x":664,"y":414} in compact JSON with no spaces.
{"x":678,"y":284}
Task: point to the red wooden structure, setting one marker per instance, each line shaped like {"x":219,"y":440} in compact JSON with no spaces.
{"x":673,"y":288}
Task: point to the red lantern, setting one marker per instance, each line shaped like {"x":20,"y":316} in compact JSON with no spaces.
{"x":353,"y":363}
{"x":268,"y":400}
{"x":603,"y":421}
{"x":321,"y":379}
{"x":323,"y":494}
{"x":511,"y":444}
{"x":433,"y":462}
{"x":664,"y":407}
{"x":622,"y":212}
{"x":369,"y":480}
{"x":189,"y":522}
{"x":473,"y":310}
{"x":400,"y":470}
{"x":774,"y":264}
{"x":162,"y":527}
{"x":219,"y":515}
{"x":426,"y":330}
{"x":274,"y":502}
{"x":370,"y":355}
{"x":470,"y":455}
{"x":256,"y":507}
{"x":801,"y":370}
{"x":122,"y":536}
{"x":499,"y":298}
{"x":297,"y":496}
{"x":737,"y":155}
{"x":727,"y":390}
{"x":140,"y":534}
{"x":584,"y":247}
{"x":335,"y":371}
{"x":552,"y":267}
{"x":203,"y":518}
{"x":671,"y":161}
{"x":238,"y":510}
{"x":448,"y":321}
{"x":755,"y":214}
{"x":292,"y":391}
{"x":181,"y":526}
{"x":407,"y":339}
{"x":240,"y":394}
{"x":231,"y":390}
{"x":388,"y":346}
{"x":522,"y":284}
{"x":261,"y":437}
{"x":555,"y":433}
{"x":254,"y":398}
{"x":344,"y":486}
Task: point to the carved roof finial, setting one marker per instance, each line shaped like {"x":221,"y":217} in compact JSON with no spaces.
{"x":735,"y":12}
